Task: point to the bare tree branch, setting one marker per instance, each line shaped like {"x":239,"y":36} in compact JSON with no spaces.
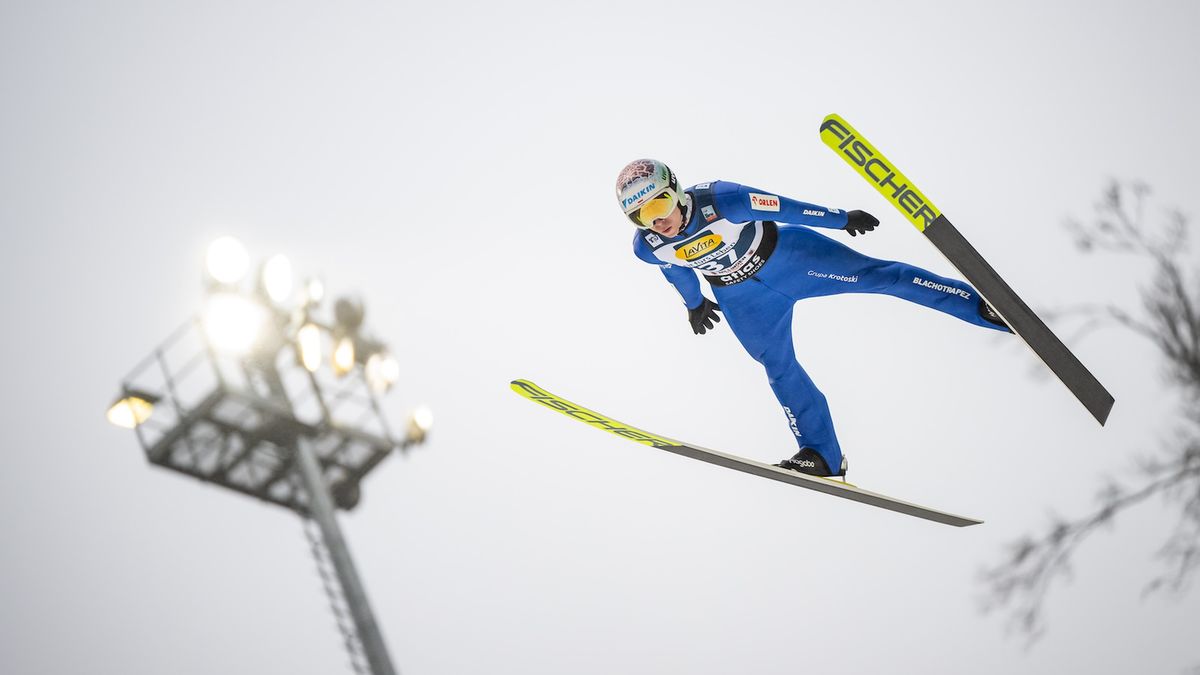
{"x":1170,"y":320}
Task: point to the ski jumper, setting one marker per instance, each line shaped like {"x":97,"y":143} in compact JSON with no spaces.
{"x":753,"y":249}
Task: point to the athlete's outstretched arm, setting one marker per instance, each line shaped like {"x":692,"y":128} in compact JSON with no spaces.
{"x":683,"y":279}
{"x":742,"y":203}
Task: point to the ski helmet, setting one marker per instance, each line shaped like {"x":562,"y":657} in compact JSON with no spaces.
{"x":648,"y":190}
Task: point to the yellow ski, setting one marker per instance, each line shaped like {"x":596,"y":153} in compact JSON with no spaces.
{"x":828,"y":486}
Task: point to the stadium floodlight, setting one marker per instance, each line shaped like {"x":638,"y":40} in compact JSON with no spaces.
{"x":247,"y":401}
{"x":343,"y":356}
{"x":131,"y":408}
{"x":308,"y":338}
{"x":276,"y":279}
{"x":420,"y":422}
{"x":227,"y":261}
{"x":314,"y":291}
{"x":382,"y":371}
{"x":233,"y":322}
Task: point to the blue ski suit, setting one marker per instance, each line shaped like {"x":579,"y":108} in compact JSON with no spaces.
{"x":745,"y":242}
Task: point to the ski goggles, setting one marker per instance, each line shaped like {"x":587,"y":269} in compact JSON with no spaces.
{"x":660,"y":207}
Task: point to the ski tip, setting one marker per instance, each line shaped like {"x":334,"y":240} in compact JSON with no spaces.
{"x":522,"y":386}
{"x":832,"y":118}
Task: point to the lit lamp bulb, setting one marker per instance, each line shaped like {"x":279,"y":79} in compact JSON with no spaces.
{"x":420,"y":421}
{"x":277,"y":278}
{"x":233,"y":322}
{"x":314,"y":291}
{"x":383,"y":370}
{"x":309,"y":340}
{"x":131,"y":410}
{"x":227,"y":260}
{"x":343,"y":356}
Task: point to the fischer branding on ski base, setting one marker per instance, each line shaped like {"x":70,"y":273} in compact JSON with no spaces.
{"x":872,"y":165}
{"x":538,"y":395}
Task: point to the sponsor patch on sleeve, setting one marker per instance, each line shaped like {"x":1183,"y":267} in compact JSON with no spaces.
{"x":710,"y":214}
{"x":764,"y":202}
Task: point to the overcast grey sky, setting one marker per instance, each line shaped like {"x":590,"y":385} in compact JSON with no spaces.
{"x":454,"y":163}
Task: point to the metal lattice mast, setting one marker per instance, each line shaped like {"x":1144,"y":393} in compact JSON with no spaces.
{"x":337,"y":599}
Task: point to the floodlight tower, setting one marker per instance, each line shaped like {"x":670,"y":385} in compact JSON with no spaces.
{"x":243,"y":396}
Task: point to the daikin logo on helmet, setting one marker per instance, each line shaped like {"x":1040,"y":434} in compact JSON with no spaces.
{"x":631,"y":200}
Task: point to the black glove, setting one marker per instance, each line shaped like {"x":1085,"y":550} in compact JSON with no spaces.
{"x":704,"y":316}
{"x":860,"y":222}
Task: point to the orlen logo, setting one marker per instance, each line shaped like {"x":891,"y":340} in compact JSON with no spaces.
{"x":764,"y":202}
{"x":641,"y":193}
{"x":698,"y":248}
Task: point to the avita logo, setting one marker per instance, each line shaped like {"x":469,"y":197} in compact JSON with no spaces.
{"x":696,"y":249}
{"x":641,"y":193}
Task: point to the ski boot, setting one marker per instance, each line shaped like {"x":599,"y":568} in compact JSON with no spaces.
{"x":809,"y":461}
{"x":991,"y":316}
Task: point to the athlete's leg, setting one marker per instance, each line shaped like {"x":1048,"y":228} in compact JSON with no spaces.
{"x":762,"y":321}
{"x":808,"y":264}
